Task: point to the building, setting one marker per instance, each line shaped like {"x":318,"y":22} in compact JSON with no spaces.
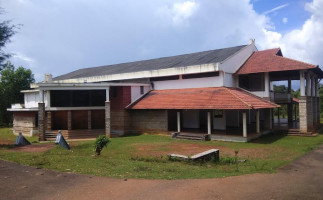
{"x":226,"y":94}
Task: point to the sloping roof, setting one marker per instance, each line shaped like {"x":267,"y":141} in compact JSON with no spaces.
{"x":271,"y":60}
{"x":201,"y":98}
{"x":205,"y":57}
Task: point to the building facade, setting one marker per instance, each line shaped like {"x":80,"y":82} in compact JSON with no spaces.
{"x":224,"y":93}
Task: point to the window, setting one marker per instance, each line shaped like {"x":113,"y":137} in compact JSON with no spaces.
{"x":218,"y":113}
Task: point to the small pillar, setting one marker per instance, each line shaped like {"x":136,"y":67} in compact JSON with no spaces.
{"x":107,"y":119}
{"x":41,"y":121}
{"x":89,"y":119}
{"x":244,"y":124}
{"x":257,"y":121}
{"x":209,"y":123}
{"x":178,"y":122}
{"x":69,"y":120}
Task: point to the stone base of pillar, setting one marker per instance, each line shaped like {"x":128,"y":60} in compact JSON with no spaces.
{"x":107,"y":119}
{"x":41,"y":121}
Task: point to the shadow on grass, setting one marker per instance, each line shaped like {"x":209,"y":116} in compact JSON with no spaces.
{"x":7,"y":146}
{"x":270,"y":138}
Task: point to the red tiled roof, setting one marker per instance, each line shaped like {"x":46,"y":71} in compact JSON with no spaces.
{"x":296,"y":100}
{"x":270,"y":61}
{"x":201,"y":98}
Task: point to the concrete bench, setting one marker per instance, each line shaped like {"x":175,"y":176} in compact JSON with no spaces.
{"x":203,"y":156}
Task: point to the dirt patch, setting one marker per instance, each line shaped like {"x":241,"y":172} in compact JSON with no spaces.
{"x":36,"y":148}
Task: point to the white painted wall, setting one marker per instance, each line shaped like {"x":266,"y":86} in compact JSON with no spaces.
{"x":229,"y":80}
{"x":135,"y":92}
{"x":216,"y":81}
{"x":219,"y":123}
{"x":32,"y":99}
{"x":191,"y":119}
{"x":234,"y":62}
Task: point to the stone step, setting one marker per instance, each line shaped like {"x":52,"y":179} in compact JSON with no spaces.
{"x":190,"y":136}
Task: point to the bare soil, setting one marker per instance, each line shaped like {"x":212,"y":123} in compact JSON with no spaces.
{"x":34,"y":148}
{"x":302,"y":179}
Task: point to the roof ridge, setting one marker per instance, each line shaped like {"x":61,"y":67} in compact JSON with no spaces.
{"x":250,"y":106}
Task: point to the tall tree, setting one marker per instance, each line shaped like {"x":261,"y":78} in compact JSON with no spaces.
{"x":6,"y":32}
{"x":12,"y":81}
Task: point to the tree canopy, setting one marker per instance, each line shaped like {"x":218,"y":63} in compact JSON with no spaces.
{"x":12,"y":81}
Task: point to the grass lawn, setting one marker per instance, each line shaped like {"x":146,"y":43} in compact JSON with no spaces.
{"x":144,"y":156}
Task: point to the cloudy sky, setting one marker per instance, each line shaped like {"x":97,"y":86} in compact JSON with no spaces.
{"x":59,"y":36}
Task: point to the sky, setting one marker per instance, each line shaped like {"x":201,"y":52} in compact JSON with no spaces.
{"x":60,"y":36}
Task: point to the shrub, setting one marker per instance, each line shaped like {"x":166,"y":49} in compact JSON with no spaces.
{"x":101,"y":142}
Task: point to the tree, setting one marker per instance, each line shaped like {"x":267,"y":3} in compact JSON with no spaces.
{"x":6,"y":32}
{"x":12,"y":81}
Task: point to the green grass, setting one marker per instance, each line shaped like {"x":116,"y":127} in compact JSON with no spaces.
{"x":123,"y":158}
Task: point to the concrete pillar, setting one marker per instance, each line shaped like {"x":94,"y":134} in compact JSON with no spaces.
{"x":69,"y":120}
{"x":317,"y":84}
{"x":257,"y":121}
{"x":313,"y":86}
{"x":41,"y":96}
{"x":209,"y":123}
{"x":48,"y":98}
{"x":107,"y":119}
{"x":308,"y":84}
{"x":302,"y":82}
{"x":244,"y":124}
{"x":179,"y":122}
{"x":107,"y":94}
{"x":267,"y":83}
{"x":41,"y":121}
{"x":89,"y":119}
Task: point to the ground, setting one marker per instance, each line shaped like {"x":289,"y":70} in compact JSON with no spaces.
{"x":302,"y":179}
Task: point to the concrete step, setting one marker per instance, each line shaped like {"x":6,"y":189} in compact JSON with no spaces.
{"x":190,"y":136}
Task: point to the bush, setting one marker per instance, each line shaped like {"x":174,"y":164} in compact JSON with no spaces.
{"x":101,"y":142}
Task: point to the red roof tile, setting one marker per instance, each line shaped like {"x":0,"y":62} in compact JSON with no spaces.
{"x":270,"y":61}
{"x":201,"y":98}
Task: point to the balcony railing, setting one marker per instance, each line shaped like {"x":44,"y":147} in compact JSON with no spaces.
{"x":279,"y":97}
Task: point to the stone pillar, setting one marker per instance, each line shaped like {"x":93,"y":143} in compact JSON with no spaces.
{"x":303,"y":114}
{"x":69,"y":120}
{"x":314,"y":110}
{"x":209,"y":123}
{"x":49,"y":121}
{"x":179,"y":122}
{"x":257,"y":121}
{"x":41,"y":121}
{"x":89,"y":119}
{"x":244,"y":124}
{"x":318,"y":109}
{"x":107,"y":119}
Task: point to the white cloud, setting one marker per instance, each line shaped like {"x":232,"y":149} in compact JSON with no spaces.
{"x":285,"y":20}
{"x":21,"y":56}
{"x":179,"y":13}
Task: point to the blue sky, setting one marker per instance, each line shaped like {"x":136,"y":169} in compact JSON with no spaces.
{"x":59,"y":36}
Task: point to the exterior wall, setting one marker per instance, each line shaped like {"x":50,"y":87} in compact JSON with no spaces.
{"x":31,"y":99}
{"x":234,"y":62}
{"x":119,"y":117}
{"x":232,"y":118}
{"x":149,"y":121}
{"x":216,"y":81}
{"x":25,"y":123}
{"x":229,"y":80}
{"x":135,"y":92}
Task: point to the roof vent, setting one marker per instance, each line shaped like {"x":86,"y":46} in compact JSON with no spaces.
{"x":48,"y":78}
